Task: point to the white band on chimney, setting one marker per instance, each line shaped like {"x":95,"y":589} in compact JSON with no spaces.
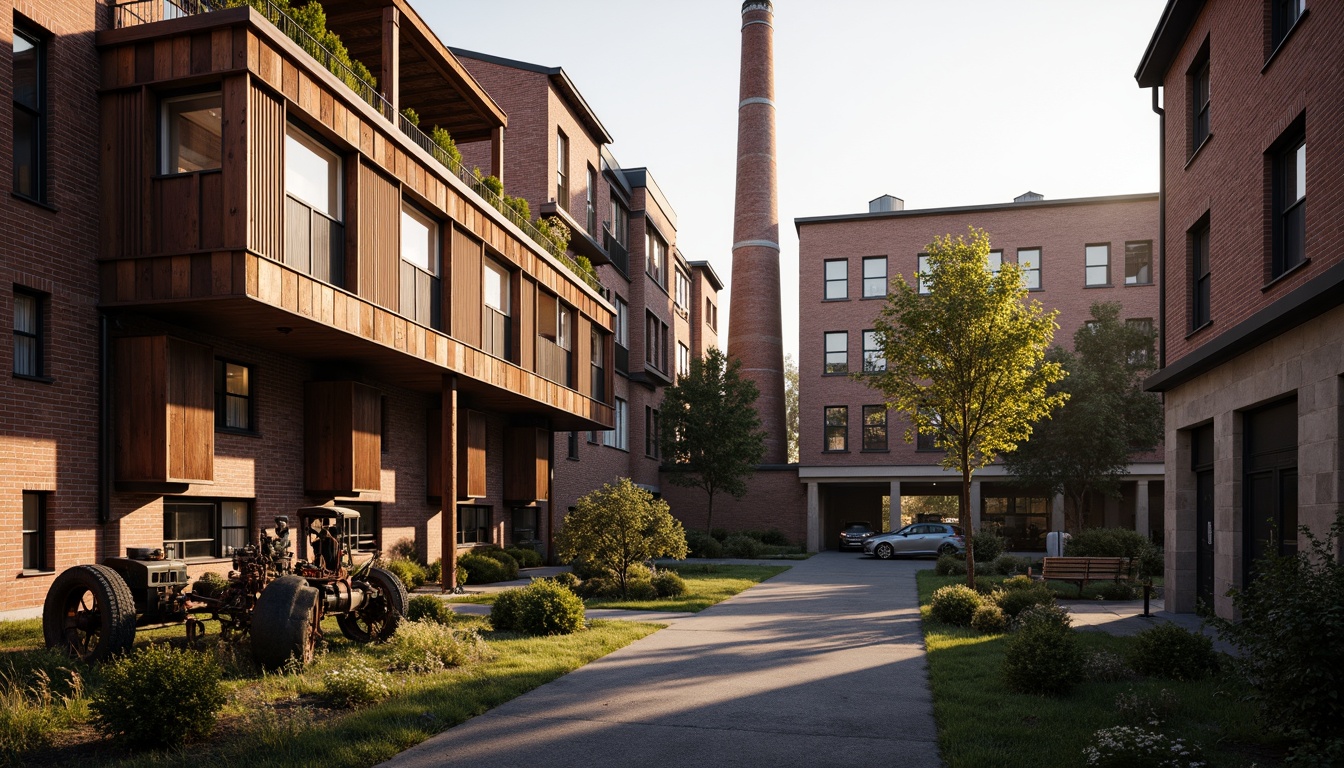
{"x":758,"y":21}
{"x":756,"y":244}
{"x":756,"y":100}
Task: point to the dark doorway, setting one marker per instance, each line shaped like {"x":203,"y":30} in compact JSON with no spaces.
{"x":1201,"y":461}
{"x":1270,"y":484}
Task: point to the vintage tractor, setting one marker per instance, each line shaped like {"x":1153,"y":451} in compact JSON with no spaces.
{"x":92,"y":611}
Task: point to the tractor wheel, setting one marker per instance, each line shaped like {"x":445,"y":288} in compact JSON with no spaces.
{"x":89,"y":613}
{"x":377,"y":619}
{"x":283,"y":623}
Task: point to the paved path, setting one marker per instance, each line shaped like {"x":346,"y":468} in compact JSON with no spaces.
{"x":823,"y":665}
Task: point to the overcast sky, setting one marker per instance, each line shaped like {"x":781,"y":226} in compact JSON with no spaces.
{"x":956,"y":102}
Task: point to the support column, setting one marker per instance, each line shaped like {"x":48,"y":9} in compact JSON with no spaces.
{"x":448,"y":473}
{"x":390,"y":74}
{"x":975,"y":506}
{"x":1057,"y":522}
{"x":1141,"y":509}
{"x":813,"y":517}
{"x":497,"y":152}
{"x":895,"y":522}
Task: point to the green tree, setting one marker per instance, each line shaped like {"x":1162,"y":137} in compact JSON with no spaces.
{"x":617,"y":526}
{"x":966,"y":359}
{"x":791,"y":407}
{"x":711,"y":435}
{"x":1085,"y":446}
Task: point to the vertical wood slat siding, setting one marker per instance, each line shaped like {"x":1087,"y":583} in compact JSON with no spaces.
{"x":176,"y":204}
{"x":163,"y":400}
{"x":265,"y":160}
{"x":526,"y":450}
{"x":379,"y":249}
{"x":466,"y":288}
{"x":122,"y":172}
{"x":471,"y":455}
{"x":581,"y":353}
{"x":342,"y":437}
{"x":366,"y":427}
{"x":526,"y":314}
{"x":298,"y":236}
{"x":191,"y":411}
{"x":212,"y":211}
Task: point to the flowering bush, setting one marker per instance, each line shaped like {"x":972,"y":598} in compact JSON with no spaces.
{"x":1106,"y":667}
{"x":354,"y":684}
{"x":1129,"y":747}
{"x":427,"y":646}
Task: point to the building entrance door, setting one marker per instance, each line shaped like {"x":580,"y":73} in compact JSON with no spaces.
{"x":1201,"y":461}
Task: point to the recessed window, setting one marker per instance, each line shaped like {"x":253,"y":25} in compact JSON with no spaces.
{"x":562,"y":170}
{"x":655,"y":256}
{"x":525,"y":526}
{"x":994,"y":262}
{"x":837,"y":279}
{"x":1197,"y":80}
{"x":30,"y":114}
{"x":837,"y":428}
{"x":874,"y":358}
{"x":922,"y":274}
{"x":29,"y":355}
{"x":34,"y":531}
{"x":1199,"y":274}
{"x":683,"y":295}
{"x":1290,"y":205}
{"x":473,"y":524}
{"x":620,"y":222}
{"x":1098,"y":264}
{"x":1029,"y":259}
{"x":312,"y":173}
{"x":590,"y":201}
{"x":1140,"y":326}
{"x":596,"y":365}
{"x":683,"y":360}
{"x":1286,"y":13}
{"x":874,"y":277}
{"x":874,"y":428}
{"x":233,"y":396}
{"x":199,"y":529}
{"x":1139,"y":262}
{"x":192,"y":133}
{"x":837,"y":352}
{"x":620,"y":436}
{"x":572,"y":445}
{"x":495,"y":320}
{"x":652,"y":432}
{"x":655,"y":342}
{"x":926,"y":442}
{"x":419,"y":239}
{"x":711,"y":315}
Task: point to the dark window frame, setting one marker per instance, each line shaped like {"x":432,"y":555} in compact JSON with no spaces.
{"x":871,"y":428}
{"x":875,"y":290}
{"x":829,"y":368}
{"x":1088,"y":267}
{"x":481,"y":512}
{"x":827,"y":429}
{"x":222,"y":396}
{"x":37,"y":533}
{"x":827,"y":280}
{"x":1284,"y":16}
{"x":37,"y":112}
{"x":652,"y":432}
{"x":217,"y":545}
{"x":1286,"y":163}
{"x":38,"y":335}
{"x":869,"y":360}
{"x":1036,"y":269}
{"x":921,"y":269}
{"x":1198,"y":85}
{"x":590,"y":201}
{"x":1200,"y":273}
{"x":562,"y":170}
{"x":572,"y":443}
{"x":162,"y":159}
{"x":1138,"y":270}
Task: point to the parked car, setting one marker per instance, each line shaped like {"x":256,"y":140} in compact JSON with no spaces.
{"x":854,"y":534}
{"x":917,"y":539}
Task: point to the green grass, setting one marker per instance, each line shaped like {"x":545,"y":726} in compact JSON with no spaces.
{"x":982,"y":724}
{"x":706,"y":585}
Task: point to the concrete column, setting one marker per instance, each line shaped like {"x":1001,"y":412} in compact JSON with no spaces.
{"x":1141,"y":508}
{"x":1057,"y":522}
{"x":390,"y":76}
{"x":813,"y":517}
{"x":895,"y":504}
{"x":975,"y":505}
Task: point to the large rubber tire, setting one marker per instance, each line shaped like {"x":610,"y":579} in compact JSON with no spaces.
{"x":89,"y":613}
{"x":947,"y":549}
{"x":377,"y":619}
{"x":884,"y":551}
{"x":282,"y":623}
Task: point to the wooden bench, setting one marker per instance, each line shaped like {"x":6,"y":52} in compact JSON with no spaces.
{"x":1085,"y":569}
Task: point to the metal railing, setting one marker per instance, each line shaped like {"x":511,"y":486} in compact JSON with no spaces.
{"x":616,"y":253}
{"x":137,"y":12}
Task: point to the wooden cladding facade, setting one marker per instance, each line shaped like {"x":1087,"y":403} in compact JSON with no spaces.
{"x":342,"y":437}
{"x":164,"y":410}
{"x":471,"y":454}
{"x":527,"y":465}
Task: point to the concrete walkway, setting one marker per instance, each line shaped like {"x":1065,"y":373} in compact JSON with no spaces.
{"x":822,"y":665}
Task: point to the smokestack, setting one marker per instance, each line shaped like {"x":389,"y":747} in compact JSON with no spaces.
{"x":755,"y":334}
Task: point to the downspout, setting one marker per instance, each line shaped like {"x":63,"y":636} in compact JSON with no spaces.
{"x":1161,"y":232}
{"x":104,"y":422}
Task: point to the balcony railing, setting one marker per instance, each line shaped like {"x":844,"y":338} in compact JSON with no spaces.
{"x":620,"y":257}
{"x":136,"y":12}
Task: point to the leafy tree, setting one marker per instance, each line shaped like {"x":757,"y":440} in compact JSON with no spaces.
{"x":711,"y":434}
{"x":791,"y":406}
{"x":966,"y":359}
{"x":617,"y":526}
{"x":1085,"y":445}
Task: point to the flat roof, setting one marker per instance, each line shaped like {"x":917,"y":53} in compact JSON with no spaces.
{"x":916,"y":212}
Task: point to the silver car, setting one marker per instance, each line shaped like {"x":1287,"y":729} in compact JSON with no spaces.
{"x":917,"y":539}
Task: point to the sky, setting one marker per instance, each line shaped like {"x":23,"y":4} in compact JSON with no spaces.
{"x":955,"y":102}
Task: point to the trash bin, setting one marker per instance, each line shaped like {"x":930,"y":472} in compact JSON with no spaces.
{"x":1055,"y":542}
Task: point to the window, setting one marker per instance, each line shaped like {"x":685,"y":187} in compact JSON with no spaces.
{"x":1097,"y":260}
{"x":495,"y":321}
{"x":597,"y":365}
{"x":711,"y":315}
{"x":590,"y":199}
{"x":620,"y":436}
{"x":34,"y":531}
{"x":473,"y":524}
{"x":525,"y":526}
{"x":1290,"y":205}
{"x":419,"y":239}
{"x":562,"y":169}
{"x":1286,"y":13}
{"x":1199,"y":274}
{"x":837,"y":279}
{"x":874,"y":358}
{"x":192,"y":133}
{"x":994,"y":262}
{"x":837,"y":428}
{"x":1198,"y":83}
{"x":233,"y":396}
{"x":837,"y":352}
{"x":655,"y":342}
{"x":925,"y":442}
{"x":652,"y":432}
{"x":204,"y":528}
{"x":874,"y":277}
{"x":655,"y":256}
{"x":683,"y":290}
{"x":1029,"y":259}
{"x":564,"y":323}
{"x":922,"y":272}
{"x":1140,"y":325}
{"x":874,"y":428}
{"x":30,"y":114}
{"x":683,"y":360}
{"x":29,"y":356}
{"x":620,"y":222}
{"x":1139,"y":263}
{"x":572,"y":446}
{"x":312,"y":173}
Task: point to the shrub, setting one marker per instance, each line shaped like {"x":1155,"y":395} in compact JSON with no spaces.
{"x":669,"y":584}
{"x":1152,"y":563}
{"x":31,"y":708}
{"x":1045,"y":614}
{"x":1172,"y":652}
{"x":1125,"y":746}
{"x":990,"y":619}
{"x":987,"y":545}
{"x":429,"y":608}
{"x":424,"y":646}
{"x":701,"y":544}
{"x":1137,"y":708}
{"x":1106,"y":667}
{"x":1018,"y":582}
{"x":719,"y":534}
{"x":541,"y":608}
{"x":209,"y":584}
{"x":1106,"y":542}
{"x":640,"y":589}
{"x":639,"y":572}
{"x":354,"y":683}
{"x":950,"y":565}
{"x":617,"y":526}
{"x":739,"y":545}
{"x":1014,"y":601}
{"x":505,"y":559}
{"x":1010,"y":565}
{"x":434,"y":572}
{"x":600,"y":587}
{"x":567,"y":580}
{"x":158,"y":696}
{"x":776,"y":538}
{"x":485,"y":570}
{"x":527,"y":558}
{"x":954,"y":604}
{"x":1116,"y":590}
{"x":445,"y":143}
{"x":585,"y":568}
{"x":411,"y":573}
{"x":404,"y":549}
{"x":1043,"y":656}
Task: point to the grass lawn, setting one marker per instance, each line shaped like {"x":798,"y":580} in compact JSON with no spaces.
{"x":282,"y":720}
{"x":706,"y":585}
{"x":982,"y":724}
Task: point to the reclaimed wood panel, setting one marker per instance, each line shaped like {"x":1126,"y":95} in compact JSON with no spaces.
{"x":342,"y":437}
{"x":122,"y":174}
{"x":582,"y":346}
{"x":265,"y":168}
{"x":471,"y":454}
{"x":379,"y":238}
{"x":163,"y":406}
{"x":211,"y":211}
{"x":466,"y":288}
{"x":526,"y":464}
{"x":177,"y":211}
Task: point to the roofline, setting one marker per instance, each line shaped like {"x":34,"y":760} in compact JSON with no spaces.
{"x":1172,"y":28}
{"x":915,"y":212}
{"x":477,"y":92}
{"x":640,"y":177}
{"x":558,"y":77}
{"x":709,"y":272}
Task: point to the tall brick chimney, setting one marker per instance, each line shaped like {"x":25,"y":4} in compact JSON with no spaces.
{"x":755,"y":335}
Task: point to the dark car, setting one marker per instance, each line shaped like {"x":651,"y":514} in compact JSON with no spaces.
{"x":854,"y":534}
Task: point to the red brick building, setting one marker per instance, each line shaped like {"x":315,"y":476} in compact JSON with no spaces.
{"x":852,"y":449}
{"x":1253,"y":279}
{"x":239,"y":283}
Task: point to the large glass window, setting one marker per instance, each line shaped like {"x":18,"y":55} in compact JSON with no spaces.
{"x":525,"y":524}
{"x":874,"y":427}
{"x":199,"y":529}
{"x":30,"y":114}
{"x":1029,"y":259}
{"x":192,"y":133}
{"x":652,"y":432}
{"x":683,"y":360}
{"x":837,"y":279}
{"x":874,"y":358}
{"x":1198,"y":80}
{"x":233,"y":396}
{"x":1098,"y":264}
{"x":590,"y":198}
{"x":1139,"y":262}
{"x":1290,"y":206}
{"x":837,"y":428}
{"x":837,"y":352}
{"x":419,"y":239}
{"x":312,"y":173}
{"x":473,"y":524}
{"x":495,"y":321}
{"x":620,"y":436}
{"x":874,"y":277}
{"x":711,"y":315}
{"x":28,"y":353}
{"x":655,"y":342}
{"x":34,"y":531}
{"x":655,"y":256}
{"x":598,"y":370}
{"x":683,"y":296}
